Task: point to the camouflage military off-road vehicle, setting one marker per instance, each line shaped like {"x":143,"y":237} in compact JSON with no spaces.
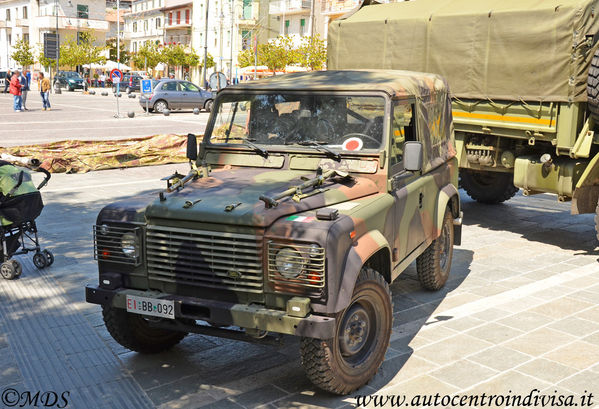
{"x":311,"y":193}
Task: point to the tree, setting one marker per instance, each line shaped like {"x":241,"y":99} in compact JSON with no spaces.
{"x":246,"y":58}
{"x":42,"y":59}
{"x":83,"y":51}
{"x":278,"y":54}
{"x":149,"y":55}
{"x":112,"y":51}
{"x":312,"y":53}
{"x":70,"y":54}
{"x":209,"y":62}
{"x":23,"y":53}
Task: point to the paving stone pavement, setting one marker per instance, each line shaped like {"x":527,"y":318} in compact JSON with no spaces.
{"x":520,"y":312}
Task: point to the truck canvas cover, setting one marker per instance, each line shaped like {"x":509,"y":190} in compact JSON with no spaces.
{"x":537,"y":50}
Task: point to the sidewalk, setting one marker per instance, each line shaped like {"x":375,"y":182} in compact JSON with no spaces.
{"x":519,"y":313}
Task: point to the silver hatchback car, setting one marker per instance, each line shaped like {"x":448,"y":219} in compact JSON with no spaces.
{"x":177,"y":94}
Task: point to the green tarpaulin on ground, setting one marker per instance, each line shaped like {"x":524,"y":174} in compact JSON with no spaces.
{"x":496,"y":49}
{"x":74,"y":156}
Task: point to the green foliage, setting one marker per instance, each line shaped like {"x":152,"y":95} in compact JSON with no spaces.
{"x":41,"y":58}
{"x":112,"y":51}
{"x":312,"y":53}
{"x":23,"y":53}
{"x":278,"y":54}
{"x":246,"y":58}
{"x":73,"y":53}
{"x":150,"y":52}
{"x":209,"y":62}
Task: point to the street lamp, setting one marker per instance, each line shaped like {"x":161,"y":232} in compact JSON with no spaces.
{"x":57,"y":88}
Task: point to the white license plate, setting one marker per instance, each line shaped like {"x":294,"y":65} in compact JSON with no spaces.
{"x":151,"y":306}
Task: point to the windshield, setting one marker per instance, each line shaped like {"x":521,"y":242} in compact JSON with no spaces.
{"x":72,"y":75}
{"x":344,"y":123}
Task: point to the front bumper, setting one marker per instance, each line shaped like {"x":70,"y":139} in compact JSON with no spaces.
{"x":224,"y":313}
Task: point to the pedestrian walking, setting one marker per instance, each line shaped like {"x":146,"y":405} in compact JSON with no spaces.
{"x":15,"y":90}
{"x":102,"y":79}
{"x":24,"y":90}
{"x":44,"y":86}
{"x":7,"y":81}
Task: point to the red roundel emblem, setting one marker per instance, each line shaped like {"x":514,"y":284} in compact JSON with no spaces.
{"x":353,"y":144}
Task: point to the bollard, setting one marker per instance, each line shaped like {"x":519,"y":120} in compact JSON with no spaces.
{"x":166,"y":112}
{"x":131,"y":95}
{"x":92,"y":92}
{"x":196,"y":111}
{"x":131,"y":114}
{"x":104,"y":93}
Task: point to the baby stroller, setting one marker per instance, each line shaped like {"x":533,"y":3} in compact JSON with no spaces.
{"x":20,"y":204}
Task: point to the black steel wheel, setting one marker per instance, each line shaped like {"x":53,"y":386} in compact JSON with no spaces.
{"x":133,"y":331}
{"x":488,"y":187}
{"x":349,"y":360}
{"x":7,"y":270}
{"x":49,"y":257}
{"x":434,"y":264}
{"x":39,"y":260}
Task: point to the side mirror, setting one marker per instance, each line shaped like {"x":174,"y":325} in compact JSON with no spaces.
{"x":412,"y":156}
{"x":192,"y":147}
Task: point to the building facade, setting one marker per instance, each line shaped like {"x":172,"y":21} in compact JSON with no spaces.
{"x":30,"y":19}
{"x":178,"y":18}
{"x":144,"y":24}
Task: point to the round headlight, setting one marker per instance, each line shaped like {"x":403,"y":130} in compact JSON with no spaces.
{"x":315,"y":250}
{"x":129,"y":244}
{"x":289,"y":262}
{"x":104,"y":229}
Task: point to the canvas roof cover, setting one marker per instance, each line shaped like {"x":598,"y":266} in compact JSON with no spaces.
{"x":486,"y":49}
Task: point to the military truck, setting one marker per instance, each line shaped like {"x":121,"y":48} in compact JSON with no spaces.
{"x":310,"y":194}
{"x":524,"y":77}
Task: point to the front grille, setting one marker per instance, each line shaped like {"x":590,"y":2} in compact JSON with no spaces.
{"x":205,"y":258}
{"x":309,"y":259}
{"x":108,"y":246}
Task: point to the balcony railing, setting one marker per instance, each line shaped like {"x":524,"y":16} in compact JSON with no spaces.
{"x":71,"y":23}
{"x":339,"y":6}
{"x":22,"y":22}
{"x":289,"y":6}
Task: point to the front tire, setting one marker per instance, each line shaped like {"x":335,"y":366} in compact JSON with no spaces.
{"x":208,"y":105}
{"x":133,"y":332}
{"x":488,"y":187}
{"x":351,"y":359}
{"x":434,"y":264}
{"x":160,"y":106}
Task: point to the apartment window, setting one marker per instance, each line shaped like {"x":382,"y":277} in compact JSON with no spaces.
{"x":178,"y":17}
{"x":26,"y":37}
{"x":10,"y":39}
{"x":25,"y":12}
{"x":187,"y":15}
{"x":158,"y":23}
{"x":82,"y":11}
{"x":145,"y":25}
{"x":134,"y":47}
{"x":286,"y":30}
{"x":7,"y":14}
{"x":135,"y":27}
{"x":246,"y":39}
{"x":247,"y":9}
{"x":153,"y":4}
{"x":170,"y":18}
{"x":159,"y":3}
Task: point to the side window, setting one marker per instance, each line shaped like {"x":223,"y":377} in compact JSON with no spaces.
{"x":402,"y":130}
{"x":169,"y":86}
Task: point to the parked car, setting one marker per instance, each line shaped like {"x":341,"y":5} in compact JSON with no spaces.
{"x":69,"y":79}
{"x":178,"y":94}
{"x":130,"y":83}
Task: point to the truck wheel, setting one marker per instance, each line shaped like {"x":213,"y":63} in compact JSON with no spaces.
{"x":597,"y":221}
{"x":434,"y":264}
{"x":488,"y":187}
{"x":349,"y":360}
{"x":593,"y":87}
{"x":133,"y":331}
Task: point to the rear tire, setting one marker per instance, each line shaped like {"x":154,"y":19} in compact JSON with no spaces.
{"x":434,"y":264}
{"x":208,"y":105}
{"x":351,"y":359}
{"x":593,"y":87}
{"x":133,"y":332}
{"x":488,"y":187}
{"x":160,"y":105}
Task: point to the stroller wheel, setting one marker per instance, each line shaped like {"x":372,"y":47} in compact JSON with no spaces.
{"x":39,"y":260}
{"x":18,"y":268}
{"x":49,"y":257}
{"x":7,"y":270}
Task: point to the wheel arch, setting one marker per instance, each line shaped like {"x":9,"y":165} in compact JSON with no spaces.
{"x":371,"y":249}
{"x":448,"y":196}
{"x":586,"y":194}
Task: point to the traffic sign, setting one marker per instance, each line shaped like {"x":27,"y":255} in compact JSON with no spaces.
{"x":51,"y":45}
{"x":146,"y":86}
{"x":116,"y":75}
{"x":217,"y":80}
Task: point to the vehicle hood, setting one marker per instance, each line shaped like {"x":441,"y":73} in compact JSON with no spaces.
{"x":232,"y":196}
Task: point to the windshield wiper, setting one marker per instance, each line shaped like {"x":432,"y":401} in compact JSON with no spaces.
{"x":320,"y":146}
{"x":249,"y":144}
